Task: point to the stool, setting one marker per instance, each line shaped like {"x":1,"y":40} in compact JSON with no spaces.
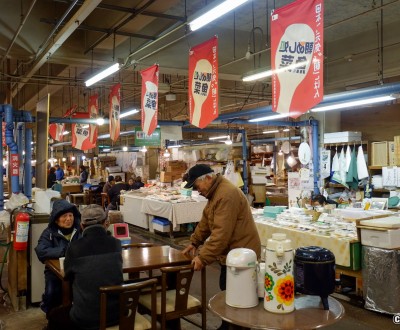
{"x":76,"y":198}
{"x":105,"y":200}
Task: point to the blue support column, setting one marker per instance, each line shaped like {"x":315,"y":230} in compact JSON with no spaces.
{"x":315,"y":139}
{"x":244,"y":154}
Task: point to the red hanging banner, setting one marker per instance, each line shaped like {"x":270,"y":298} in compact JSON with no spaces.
{"x":297,"y":56}
{"x":80,"y":133}
{"x":56,"y":130}
{"x":203,"y":83}
{"x":14,"y":165}
{"x":115,"y":109}
{"x":149,"y":99}
{"x":93,"y":112}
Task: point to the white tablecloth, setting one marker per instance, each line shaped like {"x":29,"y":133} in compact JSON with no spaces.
{"x":340,"y":247}
{"x":177,"y":213}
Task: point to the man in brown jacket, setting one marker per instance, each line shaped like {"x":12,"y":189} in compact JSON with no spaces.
{"x":226,"y":223}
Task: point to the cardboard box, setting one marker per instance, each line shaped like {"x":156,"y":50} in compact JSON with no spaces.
{"x":339,"y":137}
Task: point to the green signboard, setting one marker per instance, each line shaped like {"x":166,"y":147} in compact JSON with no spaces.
{"x":141,"y":139}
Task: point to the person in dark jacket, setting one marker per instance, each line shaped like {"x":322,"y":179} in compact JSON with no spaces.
{"x":51,"y":178}
{"x":138,"y":183}
{"x":59,"y":173}
{"x":83,"y":176}
{"x":109,"y":184}
{"x":64,"y":227}
{"x":93,"y":261}
{"x":115,"y":191}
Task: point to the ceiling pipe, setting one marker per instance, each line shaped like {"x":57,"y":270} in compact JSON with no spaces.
{"x":18,"y":32}
{"x":57,"y":42}
{"x":374,"y":91}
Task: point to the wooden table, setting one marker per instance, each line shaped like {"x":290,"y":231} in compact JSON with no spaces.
{"x":134,"y":260}
{"x":308,"y":314}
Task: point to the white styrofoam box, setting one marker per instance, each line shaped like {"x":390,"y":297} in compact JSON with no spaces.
{"x":338,"y":137}
{"x":392,"y":222}
{"x":44,"y":200}
{"x":259,"y":179}
{"x":386,"y":239}
{"x":160,"y":227}
{"x":113,"y":169}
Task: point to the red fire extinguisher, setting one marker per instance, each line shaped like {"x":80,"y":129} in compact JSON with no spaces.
{"x":21,"y":231}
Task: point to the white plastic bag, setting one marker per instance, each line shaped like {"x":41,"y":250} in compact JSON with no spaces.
{"x":15,"y":201}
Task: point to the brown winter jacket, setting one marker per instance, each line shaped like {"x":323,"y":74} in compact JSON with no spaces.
{"x":227,"y":222}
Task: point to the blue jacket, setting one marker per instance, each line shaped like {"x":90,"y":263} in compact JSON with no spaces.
{"x":52,"y":244}
{"x":93,"y":261}
{"x":59,"y":174}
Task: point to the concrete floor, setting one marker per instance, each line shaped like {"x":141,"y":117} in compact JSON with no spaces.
{"x":356,"y":318}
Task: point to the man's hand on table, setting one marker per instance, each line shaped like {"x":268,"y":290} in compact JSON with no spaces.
{"x":190,"y":251}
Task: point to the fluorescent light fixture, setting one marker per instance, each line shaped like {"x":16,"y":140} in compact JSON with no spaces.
{"x":175,"y":146}
{"x":267,"y":73}
{"x":271,"y":117}
{"x":215,"y":13}
{"x":66,"y":132}
{"x":219,"y":137}
{"x":286,"y":130}
{"x":101,"y":75}
{"x":271,"y":132}
{"x":143,"y":149}
{"x":100,"y":121}
{"x":85,"y":126}
{"x":228,"y":142}
{"x":354,"y":103}
{"x":106,"y":150}
{"x":124,"y":148}
{"x":128,"y":113}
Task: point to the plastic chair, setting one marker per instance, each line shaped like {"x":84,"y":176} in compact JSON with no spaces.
{"x":129,"y":318}
{"x":174,"y":303}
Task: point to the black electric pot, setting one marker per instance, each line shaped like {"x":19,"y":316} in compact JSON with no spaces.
{"x":314,"y":272}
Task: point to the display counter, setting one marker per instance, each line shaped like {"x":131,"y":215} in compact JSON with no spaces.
{"x":130,"y":208}
{"x":139,"y":210}
{"x":347,"y":251}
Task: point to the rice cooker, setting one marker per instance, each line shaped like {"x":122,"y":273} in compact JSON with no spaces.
{"x":314,"y":272}
{"x":241,"y":278}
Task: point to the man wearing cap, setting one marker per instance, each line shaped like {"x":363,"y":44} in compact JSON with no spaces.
{"x":226,"y":223}
{"x":93,"y":261}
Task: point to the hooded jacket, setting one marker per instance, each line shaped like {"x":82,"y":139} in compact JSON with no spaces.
{"x":52,"y":244}
{"x":227,"y":222}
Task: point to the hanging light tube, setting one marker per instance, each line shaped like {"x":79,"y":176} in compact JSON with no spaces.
{"x":219,"y":137}
{"x":267,"y":73}
{"x":354,"y":103}
{"x":215,"y":13}
{"x":271,"y":117}
{"x":128,"y":113}
{"x":101,"y":75}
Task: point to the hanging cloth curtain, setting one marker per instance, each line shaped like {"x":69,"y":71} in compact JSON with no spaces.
{"x":352,"y":175}
{"x":339,"y":176}
{"x":362,"y":169}
{"x":348,"y":158}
